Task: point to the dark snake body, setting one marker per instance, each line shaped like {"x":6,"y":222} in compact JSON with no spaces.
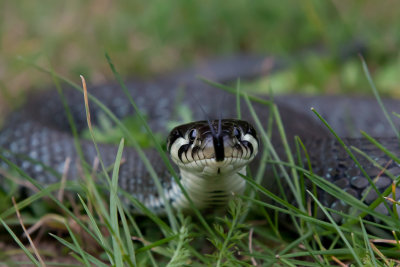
{"x":41,"y":131}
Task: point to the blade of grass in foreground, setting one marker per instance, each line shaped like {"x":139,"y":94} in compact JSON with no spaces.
{"x":114,"y":223}
{"x":367,"y":244}
{"x":382,"y":148}
{"x":351,"y":155}
{"x":233,"y":91}
{"x":124,"y":251}
{"x":130,"y":249}
{"x":101,"y":239}
{"x":355,"y":256}
{"x":71,"y":246}
{"x":20,"y":244}
{"x":388,"y":190}
{"x":270,"y":195}
{"x":77,"y":245}
{"x":377,"y":96}
{"x":238,"y":111}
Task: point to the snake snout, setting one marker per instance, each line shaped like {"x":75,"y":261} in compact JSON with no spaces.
{"x":213,"y":147}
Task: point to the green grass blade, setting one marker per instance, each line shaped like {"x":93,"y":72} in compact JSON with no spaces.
{"x":377,"y":96}
{"x":24,"y":249}
{"x":355,"y":256}
{"x":67,"y":244}
{"x":351,"y":155}
{"x":367,"y":244}
{"x":156,"y":243}
{"x":77,"y":245}
{"x":100,"y":237}
{"x":129,"y":244}
{"x":233,"y":91}
{"x":378,"y":145}
{"x":289,"y":154}
{"x":238,"y":89}
{"x":270,"y":195}
{"x":117,"y":246}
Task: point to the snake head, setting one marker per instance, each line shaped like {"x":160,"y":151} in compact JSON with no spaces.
{"x":213,"y":147}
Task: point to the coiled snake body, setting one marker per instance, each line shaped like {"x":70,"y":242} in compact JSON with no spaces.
{"x":209,"y":153}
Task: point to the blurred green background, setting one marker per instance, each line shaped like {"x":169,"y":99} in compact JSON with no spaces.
{"x":148,"y":37}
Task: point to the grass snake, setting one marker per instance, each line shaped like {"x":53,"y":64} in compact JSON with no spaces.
{"x":39,"y":132}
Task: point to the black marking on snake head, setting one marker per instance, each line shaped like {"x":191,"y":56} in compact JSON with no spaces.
{"x":248,"y":145}
{"x":238,"y":147}
{"x":219,"y":148}
{"x":175,"y":134}
{"x":195,"y":150}
{"x":218,"y":141}
{"x":252,"y":132}
{"x":182,"y":149}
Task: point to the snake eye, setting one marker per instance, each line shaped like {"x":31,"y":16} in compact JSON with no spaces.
{"x":192,"y":135}
{"x":236,"y":133}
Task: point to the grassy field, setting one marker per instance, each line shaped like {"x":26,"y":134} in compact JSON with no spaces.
{"x":157,"y":36}
{"x":148,"y":38}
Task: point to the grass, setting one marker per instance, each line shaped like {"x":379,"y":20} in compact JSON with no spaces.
{"x":145,"y":39}
{"x":236,"y":238}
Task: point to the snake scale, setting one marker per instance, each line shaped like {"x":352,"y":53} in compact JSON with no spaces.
{"x":40,"y":131}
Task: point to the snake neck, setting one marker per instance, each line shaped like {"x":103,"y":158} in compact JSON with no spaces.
{"x":207,"y":190}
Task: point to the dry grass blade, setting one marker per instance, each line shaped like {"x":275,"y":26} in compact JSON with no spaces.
{"x":385,"y":241}
{"x":15,"y":179}
{"x":380,"y":254}
{"x":253,"y":260}
{"x":392,"y":200}
{"x":55,"y":221}
{"x":27,"y":234}
{"x":339,"y":262}
{"x":85,"y":97}
{"x":60,"y":194}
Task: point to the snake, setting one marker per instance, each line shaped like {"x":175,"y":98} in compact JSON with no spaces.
{"x":212,"y":153}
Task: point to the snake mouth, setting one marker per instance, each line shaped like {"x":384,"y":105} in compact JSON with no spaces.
{"x":214,"y":147}
{"x":211,"y":167}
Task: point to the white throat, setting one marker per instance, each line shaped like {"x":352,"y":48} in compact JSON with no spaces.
{"x":207,"y":190}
